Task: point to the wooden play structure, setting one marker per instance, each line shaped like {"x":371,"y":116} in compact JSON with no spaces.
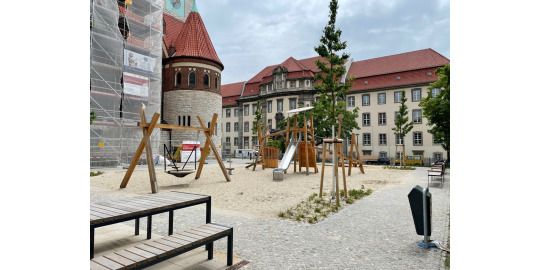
{"x":296,"y":139}
{"x":148,"y":128}
{"x":354,"y":156}
{"x":338,"y":159}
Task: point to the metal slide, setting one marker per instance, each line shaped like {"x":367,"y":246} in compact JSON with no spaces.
{"x":288,"y":156}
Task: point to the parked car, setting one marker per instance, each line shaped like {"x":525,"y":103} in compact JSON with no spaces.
{"x":378,"y":161}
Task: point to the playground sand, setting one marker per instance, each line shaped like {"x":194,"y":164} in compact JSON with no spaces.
{"x":249,"y":193}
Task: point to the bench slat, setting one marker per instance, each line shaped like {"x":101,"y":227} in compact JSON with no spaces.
{"x":183,"y":238}
{"x":140,"y":252}
{"x":203,"y":234}
{"x":159,"y":246}
{"x":97,"y":266}
{"x":177,"y":240}
{"x":150,"y":249}
{"x":119,"y":259}
{"x":132,"y":256}
{"x":168,"y":243}
{"x":107,"y":263}
{"x":112,"y":209}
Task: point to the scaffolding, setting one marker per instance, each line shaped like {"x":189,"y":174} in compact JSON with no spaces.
{"x":125,"y":74}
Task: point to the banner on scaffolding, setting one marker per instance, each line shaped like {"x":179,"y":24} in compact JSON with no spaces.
{"x":137,"y":61}
{"x":136,"y":85}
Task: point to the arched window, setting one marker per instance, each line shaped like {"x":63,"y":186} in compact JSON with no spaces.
{"x":216,"y":82}
{"x":206,"y":81}
{"x":192,"y":80}
{"x":178,"y":79}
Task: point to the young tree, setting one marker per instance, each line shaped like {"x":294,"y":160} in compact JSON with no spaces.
{"x":331,"y":100}
{"x":437,"y":109}
{"x":403,"y":126}
{"x":258,"y":117}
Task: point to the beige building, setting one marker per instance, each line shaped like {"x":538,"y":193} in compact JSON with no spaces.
{"x":377,"y":88}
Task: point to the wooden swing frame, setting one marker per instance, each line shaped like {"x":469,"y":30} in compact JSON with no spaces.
{"x":148,"y":128}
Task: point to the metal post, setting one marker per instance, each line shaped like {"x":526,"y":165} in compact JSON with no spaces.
{"x":137,"y":226}
{"x":149,"y":227}
{"x":230,"y":249}
{"x":210,"y":246}
{"x":92,"y":242}
{"x":171,"y":219}
{"x":424,"y":200}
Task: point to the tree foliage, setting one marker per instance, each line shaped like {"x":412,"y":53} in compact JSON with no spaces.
{"x":437,"y":108}
{"x":331,"y":91}
{"x":258,"y":117}
{"x":402,"y":125}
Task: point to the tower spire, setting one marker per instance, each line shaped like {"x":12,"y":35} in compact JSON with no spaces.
{"x":194,"y":7}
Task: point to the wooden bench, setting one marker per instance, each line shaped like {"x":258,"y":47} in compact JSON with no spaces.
{"x":437,"y":170}
{"x":154,"y":251}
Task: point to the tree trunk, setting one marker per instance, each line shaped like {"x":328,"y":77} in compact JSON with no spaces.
{"x":448,"y":158}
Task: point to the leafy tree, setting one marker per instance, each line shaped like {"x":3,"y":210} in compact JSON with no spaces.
{"x":331,"y":101}
{"x":403,"y":125}
{"x":258,"y":117}
{"x":437,"y":109}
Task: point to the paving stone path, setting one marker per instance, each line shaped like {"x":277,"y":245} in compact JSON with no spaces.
{"x":376,"y":232}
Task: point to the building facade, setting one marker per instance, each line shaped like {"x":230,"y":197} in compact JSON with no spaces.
{"x":377,"y":87}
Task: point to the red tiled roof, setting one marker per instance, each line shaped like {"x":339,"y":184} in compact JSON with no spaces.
{"x":414,"y":60}
{"x":173,"y":27}
{"x":194,"y":40}
{"x":232,"y":89}
{"x":230,"y":93}
{"x":411,"y":77}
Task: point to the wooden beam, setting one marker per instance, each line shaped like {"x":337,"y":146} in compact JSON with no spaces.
{"x":306,"y":144}
{"x":139,"y":150}
{"x":322,"y":169}
{"x":175,"y":127}
{"x":210,"y":145}
{"x":205,"y":151}
{"x":149,"y":158}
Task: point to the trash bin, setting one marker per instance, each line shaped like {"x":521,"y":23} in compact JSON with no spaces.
{"x":416,"y":200}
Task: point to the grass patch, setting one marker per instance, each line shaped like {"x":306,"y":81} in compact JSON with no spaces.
{"x":96,"y":173}
{"x":399,"y":168}
{"x":315,"y":208}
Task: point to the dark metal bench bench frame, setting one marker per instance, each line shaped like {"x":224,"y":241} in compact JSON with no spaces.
{"x":206,"y":241}
{"x":148,"y":214}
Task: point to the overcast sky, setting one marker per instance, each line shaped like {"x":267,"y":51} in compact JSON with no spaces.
{"x":250,"y":35}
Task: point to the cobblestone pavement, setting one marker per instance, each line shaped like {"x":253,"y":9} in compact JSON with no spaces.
{"x":376,"y":232}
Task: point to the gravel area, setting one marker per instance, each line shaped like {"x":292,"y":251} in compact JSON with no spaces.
{"x":376,"y":232}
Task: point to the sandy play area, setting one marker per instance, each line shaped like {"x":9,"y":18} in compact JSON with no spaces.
{"x":252,"y":193}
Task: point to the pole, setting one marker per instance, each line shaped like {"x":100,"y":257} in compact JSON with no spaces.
{"x":333,"y":164}
{"x":424,"y":200}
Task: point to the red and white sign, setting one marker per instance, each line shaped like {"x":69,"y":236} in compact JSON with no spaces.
{"x":136,"y":85}
{"x":187,"y":148}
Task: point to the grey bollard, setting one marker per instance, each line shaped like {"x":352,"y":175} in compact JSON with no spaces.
{"x":278,"y":174}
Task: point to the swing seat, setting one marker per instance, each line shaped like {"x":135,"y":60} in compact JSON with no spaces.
{"x":180,"y":173}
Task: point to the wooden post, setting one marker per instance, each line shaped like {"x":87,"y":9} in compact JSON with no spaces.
{"x":306,"y":144}
{"x":359,"y":157}
{"x":322,"y":168}
{"x":210,"y":143}
{"x":313,"y":144}
{"x":341,"y":157}
{"x":295,"y":126}
{"x":336,"y":175}
{"x":139,"y":150}
{"x":149,"y":158}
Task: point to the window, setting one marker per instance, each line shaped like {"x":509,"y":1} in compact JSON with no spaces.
{"x":228,"y":113}
{"x":269,"y":124}
{"x":228,"y":127}
{"x":308,"y":83}
{"x":417,"y":138}
{"x":279,"y":105}
{"x":366,"y":152}
{"x":235,"y":141}
{"x":269,"y":106}
{"x":437,"y":156}
{"x":382,"y":119}
{"x":350,"y":101}
{"x":292,"y":84}
{"x":246,"y":142}
{"x":228,"y":140}
{"x":365,"y":100}
{"x":381,"y":98}
{"x":366,"y":120}
{"x":246,"y":110}
{"x":254,"y":108}
{"x":192,"y":79}
{"x":383,"y":154}
{"x":398,"y":96}
{"x":399,"y":139}
{"x":382,"y":139}
{"x":246,"y":126}
{"x":366,"y":139}
{"x":235,"y":126}
{"x":435,"y":92}
{"x":189,"y":120}
{"x":178,"y":79}
{"x":417,"y":116}
{"x":301,"y":83}
{"x":206,"y":81}
{"x":216,"y":82}
{"x":416,"y":94}
{"x":235,"y":112}
{"x":292,"y":103}
{"x":396,"y":116}
{"x":254,"y":141}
